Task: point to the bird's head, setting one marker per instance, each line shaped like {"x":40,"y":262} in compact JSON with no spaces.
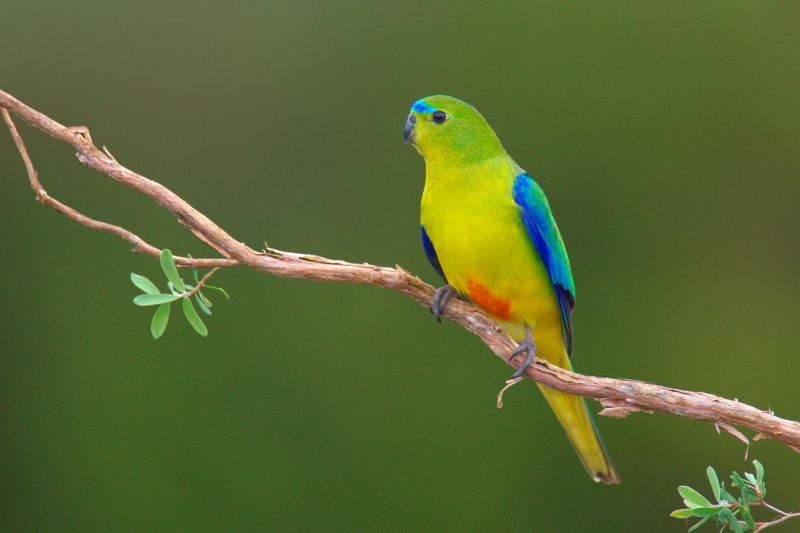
{"x":445,"y":129}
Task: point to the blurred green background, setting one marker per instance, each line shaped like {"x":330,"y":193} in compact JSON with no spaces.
{"x":665,"y":134}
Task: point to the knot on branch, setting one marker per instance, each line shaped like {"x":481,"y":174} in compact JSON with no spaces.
{"x":81,"y":134}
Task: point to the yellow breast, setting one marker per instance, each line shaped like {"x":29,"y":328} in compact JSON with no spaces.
{"x":483,"y":246}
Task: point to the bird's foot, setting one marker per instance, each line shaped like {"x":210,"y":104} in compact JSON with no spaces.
{"x":440,"y":299}
{"x":528,"y":347}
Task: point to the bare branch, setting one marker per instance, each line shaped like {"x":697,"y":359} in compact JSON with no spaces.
{"x":619,"y":397}
{"x":139,"y":244}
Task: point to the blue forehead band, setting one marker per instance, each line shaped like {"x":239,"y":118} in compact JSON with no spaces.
{"x":420,"y":106}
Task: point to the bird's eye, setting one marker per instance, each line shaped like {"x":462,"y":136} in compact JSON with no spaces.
{"x":439,"y":117}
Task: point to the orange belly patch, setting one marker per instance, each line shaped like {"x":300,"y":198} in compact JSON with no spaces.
{"x":483,"y":298}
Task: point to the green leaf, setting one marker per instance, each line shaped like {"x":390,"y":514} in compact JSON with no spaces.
{"x":170,"y":270}
{"x":726,"y":496}
{"x":692,"y":498}
{"x":706,"y":511}
{"x":747,"y":493}
{"x":218,"y":289}
{"x":738,"y":481}
{"x":171,"y":288}
{"x":147,"y":286}
{"x":194,"y":319}
{"x":759,"y":471}
{"x":734,"y":524}
{"x":154,"y":299}
{"x":194,"y":271}
{"x":159,"y":322}
{"x":205,"y":300}
{"x":748,"y":517}
{"x":700,"y":523}
{"x":714,"y":481}
{"x":682,"y":513}
{"x":201,"y":305}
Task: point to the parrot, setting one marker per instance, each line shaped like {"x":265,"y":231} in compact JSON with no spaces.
{"x":488,"y":231}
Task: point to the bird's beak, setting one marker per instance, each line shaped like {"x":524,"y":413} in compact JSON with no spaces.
{"x":408,"y":131}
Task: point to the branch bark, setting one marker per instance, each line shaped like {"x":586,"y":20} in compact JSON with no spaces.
{"x":619,"y":397}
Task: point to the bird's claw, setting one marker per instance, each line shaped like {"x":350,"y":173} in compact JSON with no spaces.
{"x":521,"y":347}
{"x":529,"y":347}
{"x":440,"y":299}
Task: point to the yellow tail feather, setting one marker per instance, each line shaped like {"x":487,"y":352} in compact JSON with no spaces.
{"x":573,"y":414}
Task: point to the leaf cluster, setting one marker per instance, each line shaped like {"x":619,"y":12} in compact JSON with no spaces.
{"x":731,"y":512}
{"x":178,"y":290}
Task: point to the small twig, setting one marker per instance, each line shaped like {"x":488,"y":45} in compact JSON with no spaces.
{"x":139,"y":244}
{"x":775,"y":509}
{"x":764,"y":525}
{"x":509,"y":383}
{"x":109,"y":154}
{"x":201,"y":282}
{"x":619,"y":395}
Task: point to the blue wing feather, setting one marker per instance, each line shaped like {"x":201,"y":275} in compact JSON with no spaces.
{"x":430,"y":251}
{"x":546,"y":238}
